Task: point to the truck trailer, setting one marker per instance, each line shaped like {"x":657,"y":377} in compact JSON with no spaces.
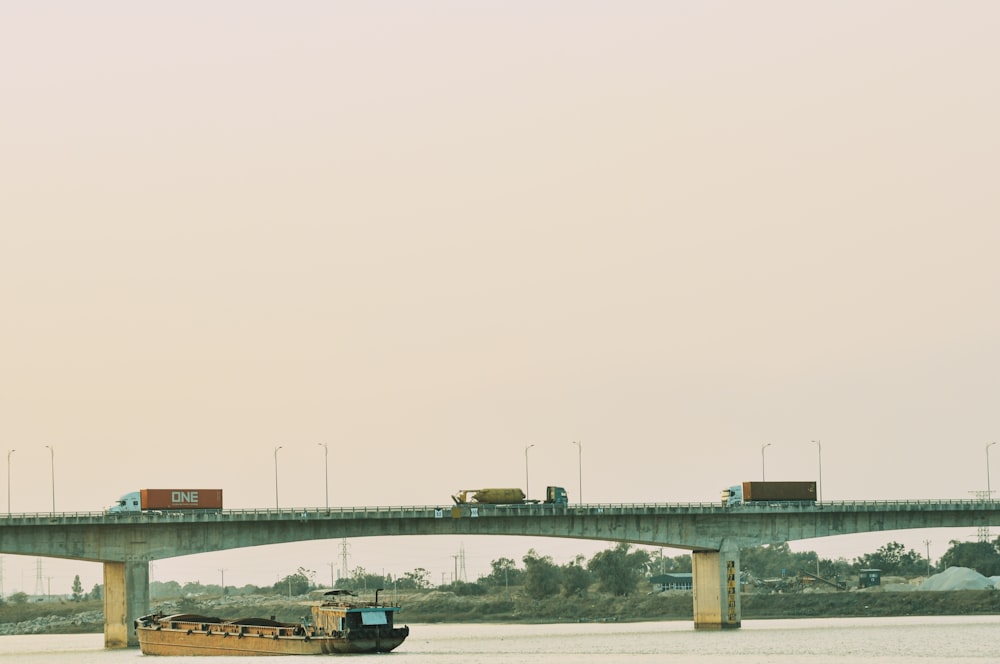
{"x":162,"y":500}
{"x":554,"y":495}
{"x":769,"y":492}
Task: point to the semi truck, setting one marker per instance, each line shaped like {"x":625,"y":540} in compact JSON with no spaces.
{"x":769,"y":492}
{"x":163,"y":500}
{"x":554,"y":495}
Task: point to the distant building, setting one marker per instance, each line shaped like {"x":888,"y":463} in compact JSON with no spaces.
{"x":673,"y":581}
{"x":869,"y":577}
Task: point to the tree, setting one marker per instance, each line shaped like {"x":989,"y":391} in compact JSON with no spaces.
{"x":164,"y":589}
{"x":77,"y":589}
{"x":775,"y":561}
{"x":617,"y":570}
{"x":418,"y":579}
{"x":298,"y":583}
{"x":193,"y":588}
{"x":575,"y":578}
{"x":504,"y":574}
{"x":97,"y":592}
{"x":984,"y":557}
{"x":893,"y":558}
{"x":464,"y":589}
{"x":363,"y":580}
{"x":541,"y":576}
{"x":661,"y":565}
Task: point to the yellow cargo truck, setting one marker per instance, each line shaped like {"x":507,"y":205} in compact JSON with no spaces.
{"x":554,"y":495}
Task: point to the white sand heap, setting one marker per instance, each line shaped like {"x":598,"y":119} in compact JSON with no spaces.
{"x":957,"y":578}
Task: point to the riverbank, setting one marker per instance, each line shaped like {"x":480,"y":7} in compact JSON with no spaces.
{"x":502,"y":607}
{"x":678,"y":605}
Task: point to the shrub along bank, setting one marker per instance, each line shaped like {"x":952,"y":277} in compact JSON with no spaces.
{"x":444,"y":607}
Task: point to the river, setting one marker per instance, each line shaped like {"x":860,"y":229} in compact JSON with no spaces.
{"x":927,"y":640}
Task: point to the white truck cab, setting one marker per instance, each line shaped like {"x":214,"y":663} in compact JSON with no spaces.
{"x":130,"y":502}
{"x":732,"y":496}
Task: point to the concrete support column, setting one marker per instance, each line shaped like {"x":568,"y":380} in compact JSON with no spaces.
{"x":126,"y":597}
{"x":716,"y":578}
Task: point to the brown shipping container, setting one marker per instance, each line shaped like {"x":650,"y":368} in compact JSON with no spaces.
{"x":181,"y":499}
{"x":779,"y":491}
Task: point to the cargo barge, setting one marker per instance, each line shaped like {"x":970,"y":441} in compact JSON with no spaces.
{"x":338,"y":624}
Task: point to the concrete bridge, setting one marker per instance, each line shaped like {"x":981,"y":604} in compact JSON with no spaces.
{"x":125,"y":544}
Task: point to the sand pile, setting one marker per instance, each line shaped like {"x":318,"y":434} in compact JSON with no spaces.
{"x":957,"y":578}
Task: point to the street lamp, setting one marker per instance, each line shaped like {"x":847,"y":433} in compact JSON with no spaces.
{"x":526,"y":483}
{"x":326,"y":462}
{"x":52,"y":458}
{"x":579,"y":468}
{"x":9,"y":452}
{"x":819,"y":449}
{"x":989,"y":491}
{"x":276,"y":476}
{"x":762,"y":448}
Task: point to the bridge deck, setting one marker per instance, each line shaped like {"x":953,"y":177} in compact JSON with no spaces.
{"x":493,"y":511}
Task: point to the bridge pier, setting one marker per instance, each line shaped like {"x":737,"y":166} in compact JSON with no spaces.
{"x":126,"y":597}
{"x":716,"y":588}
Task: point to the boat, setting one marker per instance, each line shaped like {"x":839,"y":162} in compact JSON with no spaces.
{"x":340,"y":623}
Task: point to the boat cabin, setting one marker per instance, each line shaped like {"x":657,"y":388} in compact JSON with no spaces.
{"x":339,"y":613}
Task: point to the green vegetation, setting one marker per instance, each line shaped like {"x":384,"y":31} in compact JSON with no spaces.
{"x":619,"y":571}
{"x":437,"y":607}
{"x":612,"y":585}
{"x":984,"y":557}
{"x":499,"y":606}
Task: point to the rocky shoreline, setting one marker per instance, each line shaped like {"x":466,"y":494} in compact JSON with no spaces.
{"x":84,"y":622}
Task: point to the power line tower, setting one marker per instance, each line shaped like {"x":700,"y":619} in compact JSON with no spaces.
{"x":343,"y":558}
{"x":459,"y":560}
{"x":39,"y":586}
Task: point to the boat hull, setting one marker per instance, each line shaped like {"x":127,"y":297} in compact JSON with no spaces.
{"x":237,"y":640}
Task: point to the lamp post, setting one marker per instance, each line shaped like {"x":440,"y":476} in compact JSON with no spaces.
{"x":526,"y":483}
{"x":762,"y":448}
{"x":276,"y":476}
{"x":326,"y":472}
{"x":819,"y":450}
{"x":9,"y":452}
{"x":579,"y":469}
{"x":52,"y":465}
{"x":989,"y":491}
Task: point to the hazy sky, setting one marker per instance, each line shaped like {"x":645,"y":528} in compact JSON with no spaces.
{"x":429,"y":234}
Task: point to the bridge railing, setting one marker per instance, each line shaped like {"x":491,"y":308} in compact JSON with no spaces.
{"x":445,"y":511}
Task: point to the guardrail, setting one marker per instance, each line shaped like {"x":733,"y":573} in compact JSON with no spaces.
{"x":439,"y":511}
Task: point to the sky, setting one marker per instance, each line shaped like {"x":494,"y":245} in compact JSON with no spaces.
{"x":429,"y":235}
